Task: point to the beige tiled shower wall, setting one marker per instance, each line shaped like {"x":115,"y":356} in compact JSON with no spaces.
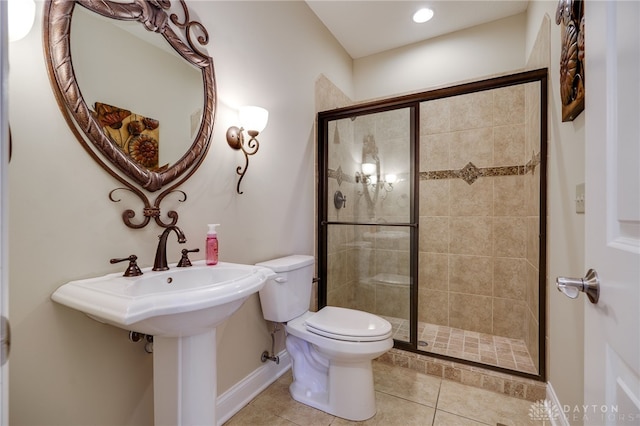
{"x":341,"y":238}
{"x":383,"y":256}
{"x":370,"y":264}
{"x":329,"y":96}
{"x":532,"y":203}
{"x":478,"y":242}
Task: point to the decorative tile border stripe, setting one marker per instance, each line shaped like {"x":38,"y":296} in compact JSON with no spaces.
{"x":515,"y":386}
{"x":469,"y":173}
{"x":340,"y":176}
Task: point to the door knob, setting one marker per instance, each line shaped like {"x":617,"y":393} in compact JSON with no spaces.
{"x":590,"y":285}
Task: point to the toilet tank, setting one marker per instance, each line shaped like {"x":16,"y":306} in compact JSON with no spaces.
{"x":288,"y":294}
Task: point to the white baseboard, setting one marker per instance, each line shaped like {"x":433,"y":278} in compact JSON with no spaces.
{"x":559,"y":419}
{"x":240,"y":394}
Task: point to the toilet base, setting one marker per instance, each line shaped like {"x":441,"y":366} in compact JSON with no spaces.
{"x":333,"y":375}
{"x":350,"y":394}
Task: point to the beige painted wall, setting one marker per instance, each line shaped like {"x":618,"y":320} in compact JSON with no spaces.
{"x":565,"y":228}
{"x":67,"y":369}
{"x":444,"y":60}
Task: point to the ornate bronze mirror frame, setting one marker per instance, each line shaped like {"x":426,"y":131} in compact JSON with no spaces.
{"x":182,"y":34}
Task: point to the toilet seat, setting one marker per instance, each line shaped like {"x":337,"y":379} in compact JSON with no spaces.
{"x":348,"y":324}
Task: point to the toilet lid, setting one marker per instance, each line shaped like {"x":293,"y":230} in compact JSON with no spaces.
{"x":348,"y":324}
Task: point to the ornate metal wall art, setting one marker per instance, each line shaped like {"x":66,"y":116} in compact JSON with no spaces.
{"x":570,"y":17}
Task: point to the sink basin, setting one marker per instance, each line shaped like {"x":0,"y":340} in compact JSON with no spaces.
{"x":181,"y":308}
{"x":177,"y":302}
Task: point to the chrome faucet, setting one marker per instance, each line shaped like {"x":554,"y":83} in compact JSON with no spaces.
{"x":160,"y":263}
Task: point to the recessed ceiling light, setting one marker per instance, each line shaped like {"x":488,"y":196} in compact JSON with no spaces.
{"x":422,"y":15}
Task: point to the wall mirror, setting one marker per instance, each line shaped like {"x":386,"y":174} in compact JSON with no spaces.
{"x":137,"y":89}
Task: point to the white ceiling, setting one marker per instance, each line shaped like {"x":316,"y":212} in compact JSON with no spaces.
{"x":365,"y":27}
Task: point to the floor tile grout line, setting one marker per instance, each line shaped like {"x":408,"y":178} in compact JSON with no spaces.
{"x":435,"y":410}
{"x":408,"y":400}
{"x":464,"y":417}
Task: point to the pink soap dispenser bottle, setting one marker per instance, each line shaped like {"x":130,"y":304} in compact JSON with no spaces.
{"x":211,"y":248}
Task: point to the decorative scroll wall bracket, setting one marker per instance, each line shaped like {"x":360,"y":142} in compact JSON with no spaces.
{"x":149,"y":211}
{"x":236,"y":141}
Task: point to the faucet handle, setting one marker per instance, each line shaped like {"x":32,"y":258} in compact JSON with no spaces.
{"x":184,"y":261}
{"x":132,"y":270}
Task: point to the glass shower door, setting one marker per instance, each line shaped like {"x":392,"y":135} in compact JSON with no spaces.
{"x":367,"y":222}
{"x":432,"y":214}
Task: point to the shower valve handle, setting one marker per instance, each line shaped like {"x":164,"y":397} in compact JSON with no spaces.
{"x":339,"y":200}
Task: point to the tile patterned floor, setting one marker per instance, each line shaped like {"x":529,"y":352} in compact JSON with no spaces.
{"x":404,"y":397}
{"x":470,"y":345}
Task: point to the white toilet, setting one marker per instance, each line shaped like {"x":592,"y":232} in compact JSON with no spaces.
{"x":332,"y":349}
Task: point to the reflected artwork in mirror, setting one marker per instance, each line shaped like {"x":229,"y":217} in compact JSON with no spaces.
{"x":155,"y":66}
{"x":136,"y":135}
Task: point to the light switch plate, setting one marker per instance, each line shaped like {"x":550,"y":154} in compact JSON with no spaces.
{"x":580,"y":198}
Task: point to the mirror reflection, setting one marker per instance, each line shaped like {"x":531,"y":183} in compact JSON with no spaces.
{"x":372,"y":151}
{"x":128,"y":79}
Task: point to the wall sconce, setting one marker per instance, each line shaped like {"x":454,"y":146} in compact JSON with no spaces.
{"x":369,"y":176}
{"x":21,"y":16}
{"x":386,"y":183}
{"x":253,"y":119}
{"x":389,"y":180}
{"x":368,"y":171}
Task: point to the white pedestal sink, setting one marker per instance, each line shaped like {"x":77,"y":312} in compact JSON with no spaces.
{"x":181,"y":308}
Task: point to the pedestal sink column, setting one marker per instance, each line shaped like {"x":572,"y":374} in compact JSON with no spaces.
{"x":184,"y":380}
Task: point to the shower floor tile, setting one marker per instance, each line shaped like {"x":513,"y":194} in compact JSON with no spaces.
{"x":470,"y":345}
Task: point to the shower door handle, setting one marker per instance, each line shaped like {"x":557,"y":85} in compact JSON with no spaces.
{"x":5,"y":339}
{"x":571,"y":287}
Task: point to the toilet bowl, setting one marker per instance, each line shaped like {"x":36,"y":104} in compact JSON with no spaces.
{"x":332,"y":349}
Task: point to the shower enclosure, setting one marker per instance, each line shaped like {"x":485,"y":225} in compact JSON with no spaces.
{"x":432,"y":212}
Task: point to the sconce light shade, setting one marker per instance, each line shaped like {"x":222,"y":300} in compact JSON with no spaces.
{"x":368,"y":169}
{"x":21,"y":16}
{"x":253,"y":119}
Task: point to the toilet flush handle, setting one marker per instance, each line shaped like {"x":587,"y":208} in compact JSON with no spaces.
{"x":281,"y":280}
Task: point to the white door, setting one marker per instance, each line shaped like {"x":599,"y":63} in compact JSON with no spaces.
{"x":4,"y":132}
{"x":612,"y":326}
